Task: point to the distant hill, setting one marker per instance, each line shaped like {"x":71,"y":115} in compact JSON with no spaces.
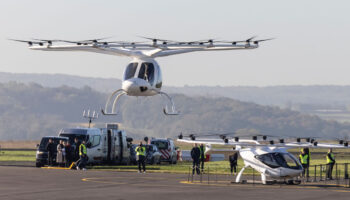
{"x":57,"y":80}
{"x":29,"y":111}
{"x":284,"y":96}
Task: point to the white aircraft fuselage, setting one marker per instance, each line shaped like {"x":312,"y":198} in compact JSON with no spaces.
{"x":271,"y":162}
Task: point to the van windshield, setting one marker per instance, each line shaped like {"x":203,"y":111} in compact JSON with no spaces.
{"x":72,"y":136}
{"x":160,"y":144}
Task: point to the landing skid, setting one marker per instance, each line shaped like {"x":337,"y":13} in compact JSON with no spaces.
{"x":239,"y":176}
{"x":173,"y":109}
{"x":113,"y":112}
{"x":118,"y":93}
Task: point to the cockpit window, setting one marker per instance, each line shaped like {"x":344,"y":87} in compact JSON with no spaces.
{"x":147,"y":72}
{"x":275,"y":160}
{"x":130,"y":71}
{"x":159,"y":81}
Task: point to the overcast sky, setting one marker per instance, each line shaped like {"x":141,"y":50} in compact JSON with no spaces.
{"x":312,"y":42}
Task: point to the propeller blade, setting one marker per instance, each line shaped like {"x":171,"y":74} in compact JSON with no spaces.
{"x":28,"y":41}
{"x":250,"y":39}
{"x":264,"y":40}
{"x":257,"y":41}
{"x":157,"y":39}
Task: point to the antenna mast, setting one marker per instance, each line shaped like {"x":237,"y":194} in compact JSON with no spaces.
{"x":91,"y":116}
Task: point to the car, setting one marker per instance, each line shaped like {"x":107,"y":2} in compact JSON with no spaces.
{"x":152,"y":154}
{"x":41,"y":152}
{"x":167,"y":149}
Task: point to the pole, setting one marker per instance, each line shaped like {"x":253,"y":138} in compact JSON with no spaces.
{"x":253,"y":177}
{"x":315,"y":173}
{"x":192,"y":173}
{"x":189,"y":171}
{"x":208,"y":174}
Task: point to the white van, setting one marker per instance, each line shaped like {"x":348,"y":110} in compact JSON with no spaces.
{"x":104,"y":145}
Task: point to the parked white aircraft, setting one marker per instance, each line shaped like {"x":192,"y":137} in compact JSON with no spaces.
{"x":270,"y":160}
{"x":142,"y":76}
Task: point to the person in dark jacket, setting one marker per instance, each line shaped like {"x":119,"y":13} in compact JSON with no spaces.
{"x":202,"y":157}
{"x":77,"y":144}
{"x":233,"y":162}
{"x":69,"y":153}
{"x":195,"y":154}
{"x":51,"y":148}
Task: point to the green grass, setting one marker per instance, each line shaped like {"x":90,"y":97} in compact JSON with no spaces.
{"x":17,"y":156}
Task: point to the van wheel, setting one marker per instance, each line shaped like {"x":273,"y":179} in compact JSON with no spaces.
{"x":38,"y":164}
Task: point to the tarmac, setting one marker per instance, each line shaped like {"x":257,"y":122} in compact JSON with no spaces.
{"x":39,"y":183}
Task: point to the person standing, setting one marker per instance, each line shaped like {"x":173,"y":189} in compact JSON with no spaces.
{"x":59,"y":157}
{"x":202,"y":156}
{"x":83,"y":156}
{"x":307,"y":151}
{"x":330,"y":163}
{"x":303,"y":158}
{"x":76,"y":149}
{"x":51,"y":148}
{"x":69,"y":153}
{"x":233,"y":162}
{"x":195,"y":154}
{"x":141,"y":157}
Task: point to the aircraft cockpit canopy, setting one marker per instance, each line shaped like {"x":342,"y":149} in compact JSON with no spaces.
{"x":276,"y":159}
{"x":144,"y":70}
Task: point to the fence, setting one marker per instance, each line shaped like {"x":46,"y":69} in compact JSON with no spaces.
{"x":315,"y":175}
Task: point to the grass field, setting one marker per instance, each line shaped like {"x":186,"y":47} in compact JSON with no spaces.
{"x":17,"y":156}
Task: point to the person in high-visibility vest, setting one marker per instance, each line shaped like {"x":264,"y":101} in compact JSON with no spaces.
{"x":83,"y":156}
{"x":330,"y":163}
{"x":303,"y":157}
{"x":141,"y":157}
{"x":202,"y":156}
{"x":307,"y":151}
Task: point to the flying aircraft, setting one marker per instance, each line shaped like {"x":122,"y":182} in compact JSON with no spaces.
{"x":142,"y":76}
{"x":269,"y":158}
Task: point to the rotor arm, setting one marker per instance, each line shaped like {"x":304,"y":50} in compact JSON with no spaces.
{"x":174,"y":50}
{"x":87,"y":48}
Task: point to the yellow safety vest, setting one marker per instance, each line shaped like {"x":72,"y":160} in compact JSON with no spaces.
{"x":140,"y":151}
{"x":82,"y":146}
{"x":200,"y":149}
{"x":329,"y":160}
{"x":303,"y":159}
